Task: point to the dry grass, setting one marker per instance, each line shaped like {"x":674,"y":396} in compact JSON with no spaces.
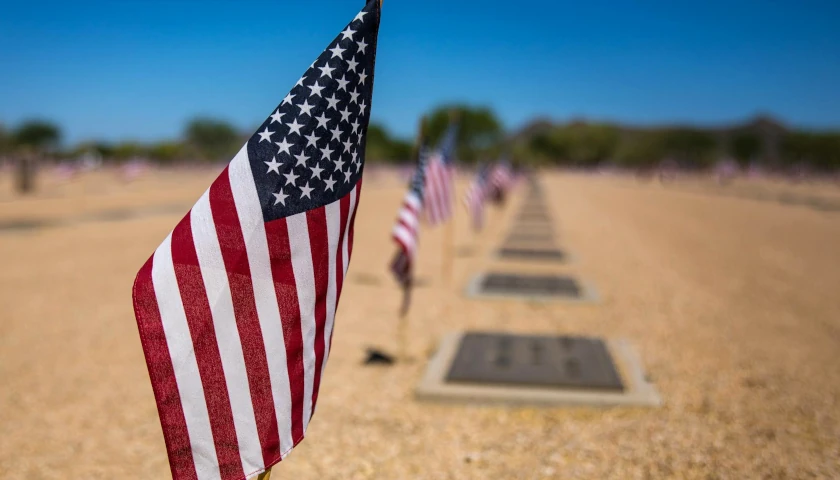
{"x":732,"y":303}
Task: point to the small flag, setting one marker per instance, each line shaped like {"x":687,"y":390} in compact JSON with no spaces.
{"x":501,"y":179}
{"x":236,"y":307}
{"x":440,"y":173}
{"x":407,"y":229}
{"x":475,"y":197}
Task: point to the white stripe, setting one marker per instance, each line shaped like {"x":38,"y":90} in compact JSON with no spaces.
{"x":333,"y":213}
{"x":214,"y":274}
{"x":345,"y":256}
{"x":253,"y":230}
{"x":184,"y":363}
{"x":301,"y":253}
{"x":413,"y":201}
{"x":409,"y":217}
{"x":407,"y":238}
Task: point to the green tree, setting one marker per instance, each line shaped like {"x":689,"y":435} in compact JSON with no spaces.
{"x":479,"y":131}
{"x":691,"y":147}
{"x":37,"y":135}
{"x":4,"y":139}
{"x":381,"y":146}
{"x":745,"y":146}
{"x":818,"y":150}
{"x":644,"y":149}
{"x":167,"y":152}
{"x":127,"y":150}
{"x":213,"y":139}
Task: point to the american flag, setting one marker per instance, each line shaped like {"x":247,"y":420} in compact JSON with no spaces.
{"x":476,"y":194}
{"x":236,"y":307}
{"x":407,"y":229}
{"x":502,"y":177}
{"x":440,"y":174}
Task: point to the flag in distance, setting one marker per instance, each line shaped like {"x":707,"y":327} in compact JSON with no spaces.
{"x":476,"y":194}
{"x":440,"y":173}
{"x":407,"y":229}
{"x":236,"y":307}
{"x":502,"y":177}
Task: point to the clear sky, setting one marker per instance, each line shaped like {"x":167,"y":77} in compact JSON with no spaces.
{"x":139,"y":69}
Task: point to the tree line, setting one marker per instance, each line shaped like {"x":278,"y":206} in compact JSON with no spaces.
{"x":481,"y":136}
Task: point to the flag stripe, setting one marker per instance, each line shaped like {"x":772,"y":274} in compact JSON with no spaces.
{"x":204,"y":342}
{"x":317,"y":224}
{"x":249,"y":211}
{"x":162,"y":374}
{"x":286,"y":296}
{"x":184,"y":362}
{"x":232,"y":246}
{"x":212,"y":269}
{"x":303,"y":271}
{"x":333,"y":219}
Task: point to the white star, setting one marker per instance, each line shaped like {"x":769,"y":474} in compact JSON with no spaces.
{"x":362,"y":77}
{"x":339,"y":164}
{"x":342,"y":83}
{"x":336,"y":133}
{"x":330,"y":182}
{"x":305,"y":107}
{"x":288,"y":99}
{"x":326,"y":70}
{"x":352,"y":64}
{"x":336,"y":51}
{"x":362,"y":46}
{"x":327,"y":152}
{"x":284,"y":146}
{"x":280,"y":198}
{"x":333,"y":102}
{"x":347,"y":175}
{"x":291,"y":178}
{"x":358,"y":166}
{"x":356,"y":125}
{"x":265,"y":135}
{"x":315,"y":89}
{"x":299,"y":82}
{"x":306,"y":190}
{"x":294,"y":127}
{"x":316,"y":171}
{"x":354,"y":96}
{"x":273,"y":166}
{"x":355,"y":156}
{"x":311,"y":139}
{"x":276,"y":116}
{"x":301,"y":160}
{"x":347,"y":144}
{"x":359,"y":17}
{"x":347,"y":33}
{"x":345,"y":115}
{"x":322,"y":121}
{"x":362,"y":107}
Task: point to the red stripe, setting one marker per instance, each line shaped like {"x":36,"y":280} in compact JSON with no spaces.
{"x":172,"y":421}
{"x":200,"y":321}
{"x":353,"y":222}
{"x":232,"y":243}
{"x":319,"y":245}
{"x":279,"y":251}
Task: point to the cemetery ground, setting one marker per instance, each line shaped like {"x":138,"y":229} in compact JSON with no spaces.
{"x":731,"y":302}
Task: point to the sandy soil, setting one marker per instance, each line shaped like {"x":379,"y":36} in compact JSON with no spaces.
{"x":733,"y":304}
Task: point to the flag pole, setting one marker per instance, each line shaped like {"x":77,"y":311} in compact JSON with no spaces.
{"x":402,"y":325}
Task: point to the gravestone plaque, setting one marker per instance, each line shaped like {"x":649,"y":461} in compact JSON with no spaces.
{"x":515,"y":284}
{"x":528,"y":237}
{"x":536,"y":361}
{"x":532,"y":253}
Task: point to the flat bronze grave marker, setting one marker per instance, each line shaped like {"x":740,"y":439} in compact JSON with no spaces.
{"x":553,"y":285}
{"x":539,"y":370}
{"x":519,"y":252}
{"x":532,"y":360}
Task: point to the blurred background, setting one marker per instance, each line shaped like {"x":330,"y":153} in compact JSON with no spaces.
{"x":116,"y":116}
{"x":625,"y":84}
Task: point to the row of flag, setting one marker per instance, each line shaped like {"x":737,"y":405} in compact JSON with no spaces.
{"x":431,"y":196}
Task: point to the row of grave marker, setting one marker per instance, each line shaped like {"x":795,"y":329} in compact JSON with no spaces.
{"x":482,"y":367}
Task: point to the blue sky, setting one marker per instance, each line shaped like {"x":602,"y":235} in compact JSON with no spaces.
{"x":140,"y":69}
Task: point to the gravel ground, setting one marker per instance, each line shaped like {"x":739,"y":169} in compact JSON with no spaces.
{"x":732,"y":303}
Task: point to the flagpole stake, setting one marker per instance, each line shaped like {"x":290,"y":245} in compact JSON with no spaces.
{"x":266,"y":475}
